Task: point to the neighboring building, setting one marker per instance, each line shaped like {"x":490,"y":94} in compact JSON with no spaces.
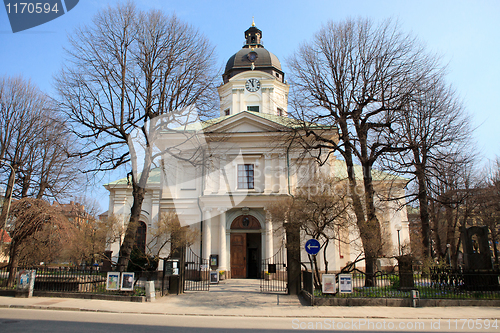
{"x":74,"y":212}
{"x":5,"y":240}
{"x":247,"y":167}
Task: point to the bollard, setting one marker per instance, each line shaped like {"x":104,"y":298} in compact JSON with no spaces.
{"x":415,"y":296}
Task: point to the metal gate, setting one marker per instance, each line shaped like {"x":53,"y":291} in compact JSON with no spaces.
{"x":274,"y":277}
{"x":196,"y":273}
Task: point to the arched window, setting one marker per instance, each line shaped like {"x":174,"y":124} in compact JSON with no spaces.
{"x":140,"y":237}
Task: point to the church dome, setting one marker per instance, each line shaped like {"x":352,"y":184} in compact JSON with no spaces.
{"x":253,"y":56}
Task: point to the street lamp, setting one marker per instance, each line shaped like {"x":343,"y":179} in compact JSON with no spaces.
{"x":449,"y":254}
{"x":398,"y":228}
{"x":2,"y":230}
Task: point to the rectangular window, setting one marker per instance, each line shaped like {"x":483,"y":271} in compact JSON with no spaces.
{"x":245,"y":176}
{"x":253,"y":108}
{"x":227,"y":112}
{"x":280,"y":112}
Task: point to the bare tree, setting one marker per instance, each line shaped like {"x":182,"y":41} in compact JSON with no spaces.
{"x":321,"y":211}
{"x":435,"y":130}
{"x":128,"y":74}
{"x":22,"y":110}
{"x":357,"y":76}
{"x":30,"y":217}
{"x":166,"y":232}
{"x":487,"y":199}
{"x":452,"y":207}
{"x":36,"y":142}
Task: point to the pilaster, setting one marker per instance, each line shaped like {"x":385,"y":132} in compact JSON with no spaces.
{"x":268,"y":173}
{"x":282,"y":174}
{"x":207,"y":235}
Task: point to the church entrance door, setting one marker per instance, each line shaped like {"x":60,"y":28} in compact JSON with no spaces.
{"x":245,"y":247}
{"x":238,"y":256}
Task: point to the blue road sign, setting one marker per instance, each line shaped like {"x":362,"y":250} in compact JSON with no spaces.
{"x":312,"y":246}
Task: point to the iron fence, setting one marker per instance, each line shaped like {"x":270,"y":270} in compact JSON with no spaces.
{"x":434,"y":284}
{"x":78,"y":280}
{"x":274,"y":273}
{"x":197,"y":273}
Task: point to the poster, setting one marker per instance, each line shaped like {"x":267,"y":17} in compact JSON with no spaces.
{"x":127,"y":281}
{"x":329,"y":285}
{"x":113,"y":281}
{"x":214,"y":277}
{"x":214,"y":261}
{"x":345,"y":283}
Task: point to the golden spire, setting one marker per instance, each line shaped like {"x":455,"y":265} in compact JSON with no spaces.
{"x":253,"y":22}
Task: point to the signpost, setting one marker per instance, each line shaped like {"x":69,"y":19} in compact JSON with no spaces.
{"x":312,"y":248}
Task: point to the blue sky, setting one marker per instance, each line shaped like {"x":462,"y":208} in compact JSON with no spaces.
{"x":466,"y":34}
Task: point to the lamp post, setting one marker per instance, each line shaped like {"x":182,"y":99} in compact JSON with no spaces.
{"x":448,"y":246}
{"x":398,"y":228}
{"x":4,"y":222}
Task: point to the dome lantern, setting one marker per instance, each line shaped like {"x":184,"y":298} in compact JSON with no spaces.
{"x":253,"y":56}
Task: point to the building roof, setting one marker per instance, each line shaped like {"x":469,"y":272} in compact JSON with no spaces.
{"x":279,"y":120}
{"x":154,"y":178}
{"x":263,"y":59}
{"x":253,"y":56}
{"x":4,"y":236}
{"x":340,"y":171}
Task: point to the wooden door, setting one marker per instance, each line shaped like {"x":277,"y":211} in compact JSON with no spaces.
{"x":238,"y":256}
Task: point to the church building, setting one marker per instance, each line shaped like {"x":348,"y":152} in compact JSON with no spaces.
{"x":248,"y":167}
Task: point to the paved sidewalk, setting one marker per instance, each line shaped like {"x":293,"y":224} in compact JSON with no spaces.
{"x":243,"y":298}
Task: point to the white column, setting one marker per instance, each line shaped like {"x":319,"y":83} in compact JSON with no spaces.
{"x":269,"y":235}
{"x":282,"y":174}
{"x":235,"y":101}
{"x":275,"y":174}
{"x":268,"y":173}
{"x":222,"y":239}
{"x":207,"y":236}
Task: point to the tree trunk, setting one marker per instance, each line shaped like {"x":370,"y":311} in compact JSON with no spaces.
{"x":130,"y":234}
{"x":372,"y":232}
{"x":423,"y":202}
{"x":13,"y":264}
{"x":293,"y":257}
{"x":494,"y":237}
{"x":7,"y":197}
{"x":366,"y":235}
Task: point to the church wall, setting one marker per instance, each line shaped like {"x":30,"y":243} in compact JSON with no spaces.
{"x":252,"y":140}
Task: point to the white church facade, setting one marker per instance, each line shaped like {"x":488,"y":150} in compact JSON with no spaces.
{"x":247,"y":168}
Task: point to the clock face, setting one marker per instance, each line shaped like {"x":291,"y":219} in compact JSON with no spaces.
{"x":252,"y":85}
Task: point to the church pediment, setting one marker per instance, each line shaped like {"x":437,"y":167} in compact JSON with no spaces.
{"x":246,"y":122}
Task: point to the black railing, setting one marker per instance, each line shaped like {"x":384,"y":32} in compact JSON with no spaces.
{"x":77,"y":280}
{"x":197,"y":273}
{"x":434,"y":284}
{"x":274,"y":273}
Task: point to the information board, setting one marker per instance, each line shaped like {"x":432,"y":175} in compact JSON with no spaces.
{"x":345,"y":283}
{"x":329,"y":285}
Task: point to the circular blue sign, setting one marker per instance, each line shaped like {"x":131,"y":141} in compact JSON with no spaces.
{"x":312,"y":246}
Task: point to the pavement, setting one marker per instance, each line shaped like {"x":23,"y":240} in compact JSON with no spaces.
{"x":242,"y":298}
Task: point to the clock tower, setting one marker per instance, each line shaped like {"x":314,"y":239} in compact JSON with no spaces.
{"x":253,"y":80}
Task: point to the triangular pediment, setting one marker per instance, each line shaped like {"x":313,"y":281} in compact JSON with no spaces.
{"x":247,"y":122}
